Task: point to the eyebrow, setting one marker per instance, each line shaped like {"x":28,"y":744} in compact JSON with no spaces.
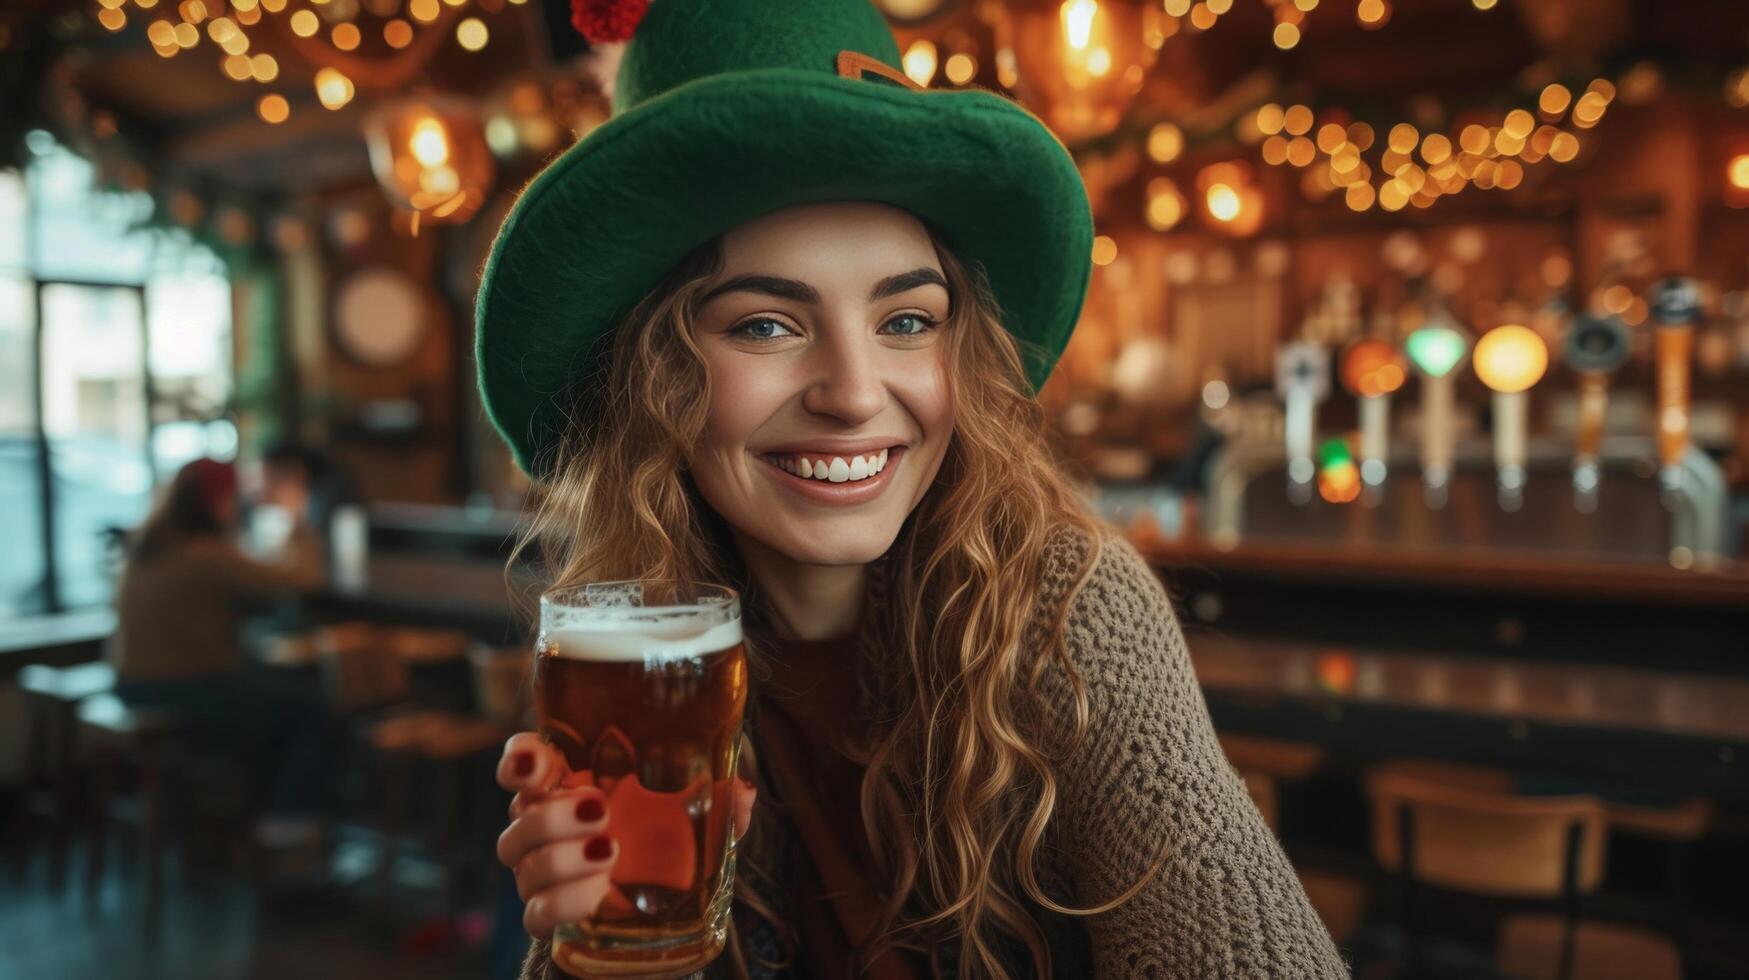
{"x":804,"y":293}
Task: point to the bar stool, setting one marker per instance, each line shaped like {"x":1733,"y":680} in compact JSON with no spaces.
{"x":140,"y":742}
{"x":372,"y":675}
{"x":1494,"y":844}
{"x":53,"y":776}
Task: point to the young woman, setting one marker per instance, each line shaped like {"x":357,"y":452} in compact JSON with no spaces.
{"x":779,"y":325}
{"x":184,"y":587}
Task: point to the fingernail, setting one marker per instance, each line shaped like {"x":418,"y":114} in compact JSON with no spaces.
{"x":523,"y":763}
{"x":599,"y":848}
{"x":590,"y":810}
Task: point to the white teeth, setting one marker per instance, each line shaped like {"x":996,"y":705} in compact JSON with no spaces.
{"x":837,"y":470}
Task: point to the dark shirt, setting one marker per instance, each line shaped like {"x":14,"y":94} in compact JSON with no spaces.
{"x":808,"y":706}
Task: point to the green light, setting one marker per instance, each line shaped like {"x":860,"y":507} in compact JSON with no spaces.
{"x":1436,"y":350}
{"x":1335,"y":452}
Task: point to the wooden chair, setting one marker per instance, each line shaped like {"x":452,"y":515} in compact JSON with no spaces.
{"x":128,"y":741}
{"x":1458,"y":775}
{"x":54,"y":776}
{"x":1487,"y":843}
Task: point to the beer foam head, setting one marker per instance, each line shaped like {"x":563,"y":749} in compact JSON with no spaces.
{"x":632,"y":639}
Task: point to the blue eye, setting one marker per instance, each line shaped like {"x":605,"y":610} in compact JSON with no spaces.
{"x":745,"y":329}
{"x":924,"y":324}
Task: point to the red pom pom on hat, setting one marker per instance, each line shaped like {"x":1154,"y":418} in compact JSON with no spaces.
{"x":603,"y":21}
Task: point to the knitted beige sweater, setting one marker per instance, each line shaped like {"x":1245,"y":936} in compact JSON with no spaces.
{"x":1226,"y":903}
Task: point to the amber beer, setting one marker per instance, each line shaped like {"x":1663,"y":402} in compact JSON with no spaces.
{"x":641,"y":684}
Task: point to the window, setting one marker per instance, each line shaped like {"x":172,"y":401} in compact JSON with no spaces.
{"x":115,"y":370}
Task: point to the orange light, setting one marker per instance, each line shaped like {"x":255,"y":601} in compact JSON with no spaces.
{"x":1739,"y":171}
{"x":273,"y":108}
{"x":1372,"y":367}
{"x":1339,"y":484}
{"x":1223,"y":202}
{"x":1510,"y":358}
{"x":1336,"y":672}
{"x":1165,"y":142}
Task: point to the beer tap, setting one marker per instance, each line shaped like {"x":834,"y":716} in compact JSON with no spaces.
{"x":1597,"y":346}
{"x":1436,"y":350}
{"x":1372,"y":369}
{"x":1675,"y":304}
{"x":1510,"y":359}
{"x":1302,"y":379}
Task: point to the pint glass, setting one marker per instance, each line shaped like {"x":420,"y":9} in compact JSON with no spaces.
{"x":641,"y":685}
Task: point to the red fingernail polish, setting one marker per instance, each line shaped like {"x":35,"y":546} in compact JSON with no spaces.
{"x":599,"y":848}
{"x":589,"y":810}
{"x":523,"y":763}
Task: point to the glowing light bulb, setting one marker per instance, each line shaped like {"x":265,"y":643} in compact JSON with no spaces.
{"x":1078,"y":22}
{"x":1223,"y":202}
{"x":1739,"y":171}
{"x":333,"y":88}
{"x":1511,"y":358}
{"x":429,"y":143}
{"x":919,"y":61}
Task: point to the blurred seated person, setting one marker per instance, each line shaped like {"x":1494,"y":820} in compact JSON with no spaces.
{"x":185,"y":586}
{"x":297,"y":482}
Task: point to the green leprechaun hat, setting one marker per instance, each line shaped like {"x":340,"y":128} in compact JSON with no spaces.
{"x":725,"y":110}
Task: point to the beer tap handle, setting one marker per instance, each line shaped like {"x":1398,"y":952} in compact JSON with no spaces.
{"x":1597,"y":346}
{"x":1302,"y":379}
{"x":1297,"y":428}
{"x":1436,"y":350}
{"x":1593,"y":402}
{"x":1510,"y":359}
{"x":1372,"y":369}
{"x":1511,"y":418}
{"x":1436,"y":438}
{"x":1675,"y":304}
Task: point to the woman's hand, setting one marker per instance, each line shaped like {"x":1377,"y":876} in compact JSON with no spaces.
{"x":556,"y":844}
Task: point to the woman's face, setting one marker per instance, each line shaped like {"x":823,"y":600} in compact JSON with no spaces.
{"x":821,"y":335}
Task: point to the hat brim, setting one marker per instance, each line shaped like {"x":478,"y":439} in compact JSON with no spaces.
{"x":597,"y":229}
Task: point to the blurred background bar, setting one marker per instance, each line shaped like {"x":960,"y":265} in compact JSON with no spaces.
{"x":1415,"y":357}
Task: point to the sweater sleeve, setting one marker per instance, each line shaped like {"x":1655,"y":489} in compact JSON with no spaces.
{"x":1150,"y":773}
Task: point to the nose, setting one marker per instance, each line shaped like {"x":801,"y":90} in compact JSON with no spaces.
{"x":847,"y":381}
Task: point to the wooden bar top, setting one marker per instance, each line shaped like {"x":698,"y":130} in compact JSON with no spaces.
{"x":1724,"y":584}
{"x":1592,"y":696}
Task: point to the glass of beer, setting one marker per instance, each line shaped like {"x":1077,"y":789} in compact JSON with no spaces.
{"x":641,"y":685}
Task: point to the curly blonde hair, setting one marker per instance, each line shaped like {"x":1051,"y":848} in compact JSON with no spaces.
{"x":957,"y":795}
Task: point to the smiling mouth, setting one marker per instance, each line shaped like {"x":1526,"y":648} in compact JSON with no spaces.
{"x":827,"y":468}
{"x":835,"y":479}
